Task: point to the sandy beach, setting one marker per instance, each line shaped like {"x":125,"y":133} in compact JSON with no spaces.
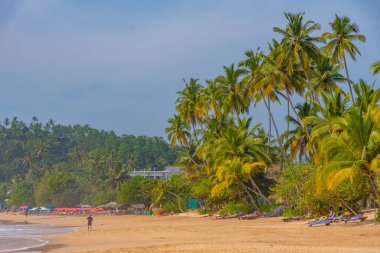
{"x":193,"y":234}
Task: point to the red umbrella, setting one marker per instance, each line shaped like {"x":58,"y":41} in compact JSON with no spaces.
{"x":23,"y":207}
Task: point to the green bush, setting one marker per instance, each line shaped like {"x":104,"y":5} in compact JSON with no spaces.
{"x":268,"y":208}
{"x":170,"y":206}
{"x":234,"y":207}
{"x":378,"y":215}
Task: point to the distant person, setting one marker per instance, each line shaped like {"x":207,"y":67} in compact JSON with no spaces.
{"x":89,"y":223}
{"x":26,"y":213}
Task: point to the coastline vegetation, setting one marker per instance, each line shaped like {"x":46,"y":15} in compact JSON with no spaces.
{"x":329,"y":153}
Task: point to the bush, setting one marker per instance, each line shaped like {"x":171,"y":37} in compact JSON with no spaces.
{"x":170,"y":206}
{"x":378,"y":215}
{"x":234,"y":207}
{"x":21,"y":194}
{"x":291,"y":212}
{"x":268,"y":208}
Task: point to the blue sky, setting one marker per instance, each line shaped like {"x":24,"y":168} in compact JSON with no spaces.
{"x":117,"y":65}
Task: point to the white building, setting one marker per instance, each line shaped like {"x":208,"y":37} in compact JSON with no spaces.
{"x":163,"y":174}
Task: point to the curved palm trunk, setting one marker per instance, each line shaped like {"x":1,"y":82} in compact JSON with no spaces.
{"x":250,"y":196}
{"x":295,"y":112}
{"x":287,"y":125}
{"x":270,"y":127}
{"x":275,"y":127}
{"x":178,"y":199}
{"x":348,"y":79}
{"x":259,"y":191}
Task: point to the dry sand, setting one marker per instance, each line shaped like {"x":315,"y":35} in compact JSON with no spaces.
{"x":185,"y":233}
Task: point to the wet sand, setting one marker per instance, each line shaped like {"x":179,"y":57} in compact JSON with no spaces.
{"x":114,"y":234}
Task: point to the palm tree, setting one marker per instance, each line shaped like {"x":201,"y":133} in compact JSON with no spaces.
{"x":326,"y":76}
{"x":232,"y":90}
{"x":297,"y":45}
{"x":299,"y":136}
{"x":367,"y":96}
{"x":190,"y":106}
{"x":235,"y":157}
{"x":178,"y":131}
{"x":375,"y":67}
{"x":212,"y":95}
{"x":260,"y":86}
{"x":341,"y":42}
{"x":334,"y":106}
{"x":353,"y":150}
{"x":117,"y":175}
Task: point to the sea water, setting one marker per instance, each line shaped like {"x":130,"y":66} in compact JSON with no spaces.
{"x":20,"y":237}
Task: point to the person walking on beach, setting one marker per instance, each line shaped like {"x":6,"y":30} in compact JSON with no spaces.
{"x":89,"y":223}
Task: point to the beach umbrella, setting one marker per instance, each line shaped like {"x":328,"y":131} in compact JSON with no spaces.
{"x":23,"y":207}
{"x":50,"y":207}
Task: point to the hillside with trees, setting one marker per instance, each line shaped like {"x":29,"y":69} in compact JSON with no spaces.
{"x":52,"y":164}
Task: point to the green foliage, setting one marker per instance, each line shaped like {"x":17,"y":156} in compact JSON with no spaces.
{"x":234,"y":207}
{"x":293,"y":211}
{"x":137,"y":190}
{"x":58,"y":189}
{"x":297,"y":187}
{"x":378,"y":215}
{"x":3,"y":192}
{"x":85,"y":160}
{"x":21,"y":193}
{"x":268,"y":208}
{"x":170,"y":206}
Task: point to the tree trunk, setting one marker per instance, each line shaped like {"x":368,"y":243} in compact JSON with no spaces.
{"x":270,"y":127}
{"x":259,"y":191}
{"x":250,"y":196}
{"x":179,"y":202}
{"x":298,"y":117}
{"x":275,"y":127}
{"x":287,"y":120}
{"x":348,"y":79}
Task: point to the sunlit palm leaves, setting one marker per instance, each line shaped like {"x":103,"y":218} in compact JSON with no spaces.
{"x":341,"y":39}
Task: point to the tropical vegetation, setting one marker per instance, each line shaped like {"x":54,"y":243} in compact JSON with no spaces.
{"x":329,"y":152}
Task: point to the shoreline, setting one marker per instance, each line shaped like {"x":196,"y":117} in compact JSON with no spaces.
{"x":181,"y":233}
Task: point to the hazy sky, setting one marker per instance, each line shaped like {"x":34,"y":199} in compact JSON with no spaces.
{"x":117,"y":65}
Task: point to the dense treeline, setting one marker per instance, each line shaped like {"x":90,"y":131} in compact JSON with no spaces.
{"x":329,"y":154}
{"x":52,"y":164}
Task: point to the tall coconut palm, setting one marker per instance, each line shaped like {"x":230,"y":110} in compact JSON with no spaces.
{"x":375,"y":67}
{"x":259,"y":90}
{"x":212,"y":95}
{"x":178,"y":131}
{"x":341,"y":39}
{"x":189,"y":104}
{"x":298,"y":46}
{"x":232,"y":90}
